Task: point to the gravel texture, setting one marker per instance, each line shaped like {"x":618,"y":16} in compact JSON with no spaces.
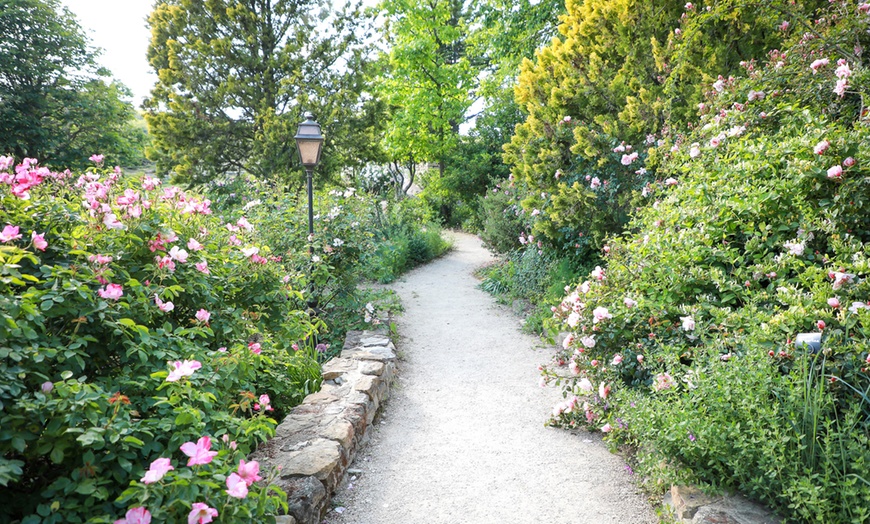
{"x":463,"y":439}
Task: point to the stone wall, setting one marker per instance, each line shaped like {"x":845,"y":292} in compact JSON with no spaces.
{"x":316,"y":443}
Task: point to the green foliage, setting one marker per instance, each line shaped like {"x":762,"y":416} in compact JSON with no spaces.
{"x":234,"y":79}
{"x":503,"y":220}
{"x":135,"y":278}
{"x":54,"y":103}
{"x":622,"y":76}
{"x":681,"y":344}
{"x":405,"y":238}
{"x":426,"y":79}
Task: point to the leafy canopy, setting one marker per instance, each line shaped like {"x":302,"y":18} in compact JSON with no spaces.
{"x":55,"y":104}
{"x":235,"y":79}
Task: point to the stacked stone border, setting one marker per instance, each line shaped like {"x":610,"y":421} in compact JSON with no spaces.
{"x":316,"y":443}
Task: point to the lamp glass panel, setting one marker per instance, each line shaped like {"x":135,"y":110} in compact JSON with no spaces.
{"x":309,"y":151}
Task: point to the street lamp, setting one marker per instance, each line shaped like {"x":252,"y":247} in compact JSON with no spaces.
{"x":309,"y":143}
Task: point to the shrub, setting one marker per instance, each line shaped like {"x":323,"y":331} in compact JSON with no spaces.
{"x":757,"y":231}
{"x":133,"y":324}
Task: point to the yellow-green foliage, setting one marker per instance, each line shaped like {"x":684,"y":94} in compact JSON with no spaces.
{"x":626,"y":71}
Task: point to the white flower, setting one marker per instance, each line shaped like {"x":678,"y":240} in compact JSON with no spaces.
{"x":573,"y":319}
{"x":856,"y":306}
{"x":629,"y":303}
{"x":795,"y":248}
{"x":337,"y":242}
{"x":250,"y":251}
{"x":688,"y":323}
{"x":599,"y":314}
{"x":588,"y":341}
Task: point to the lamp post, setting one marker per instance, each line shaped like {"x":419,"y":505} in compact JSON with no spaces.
{"x":309,"y":143}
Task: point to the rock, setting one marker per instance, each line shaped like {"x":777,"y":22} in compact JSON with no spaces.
{"x":298,"y":428}
{"x":740,"y":510}
{"x":691,"y":505}
{"x":380,"y":353}
{"x":685,"y":500}
{"x":285,"y":519}
{"x":371,"y":367}
{"x":708,"y":515}
{"x":368,"y":384}
{"x":318,"y":458}
{"x":306,"y":498}
{"x":338,"y":366}
{"x":374,"y":340}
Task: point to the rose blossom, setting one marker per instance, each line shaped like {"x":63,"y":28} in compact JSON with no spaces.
{"x":183,"y":369}
{"x":136,"y":516}
{"x":199,"y":453}
{"x":111,"y":292}
{"x":157,"y":470}
{"x":237,"y":486}
{"x":9,"y":233}
{"x":599,"y":314}
{"x":817,"y":64}
{"x":200,"y":513}
{"x":249,"y":471}
{"x":821,"y":147}
{"x":38,"y":241}
{"x":835,"y":172}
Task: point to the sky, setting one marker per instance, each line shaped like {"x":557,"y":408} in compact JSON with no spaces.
{"x":119,"y":28}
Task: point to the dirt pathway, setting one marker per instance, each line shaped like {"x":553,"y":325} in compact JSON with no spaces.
{"x":463,"y":440}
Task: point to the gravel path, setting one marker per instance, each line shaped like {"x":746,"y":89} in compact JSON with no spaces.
{"x":463,"y":440}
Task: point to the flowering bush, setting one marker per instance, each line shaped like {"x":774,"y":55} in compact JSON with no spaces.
{"x":134,"y":323}
{"x":757,"y":230}
{"x":357,"y":237}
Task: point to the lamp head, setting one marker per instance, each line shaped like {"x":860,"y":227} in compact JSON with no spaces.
{"x":309,"y":142}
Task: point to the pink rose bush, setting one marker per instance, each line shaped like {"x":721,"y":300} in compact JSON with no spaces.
{"x":117,"y":281}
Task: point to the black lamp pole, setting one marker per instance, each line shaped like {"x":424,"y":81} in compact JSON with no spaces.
{"x":309,"y":144}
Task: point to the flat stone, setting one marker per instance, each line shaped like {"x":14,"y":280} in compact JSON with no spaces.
{"x":376,"y":340}
{"x":285,"y":519}
{"x":371,"y":367}
{"x":356,"y":415}
{"x":306,"y":498}
{"x":383,"y":391}
{"x":318,"y":458}
{"x":740,"y":509}
{"x":368,"y":384}
{"x":298,"y":428}
{"x":379,"y":353}
{"x":340,"y":431}
{"x":324,"y":396}
{"x":371,"y":405}
{"x":708,"y":515}
{"x":337,"y":367}
{"x":687,"y":499}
